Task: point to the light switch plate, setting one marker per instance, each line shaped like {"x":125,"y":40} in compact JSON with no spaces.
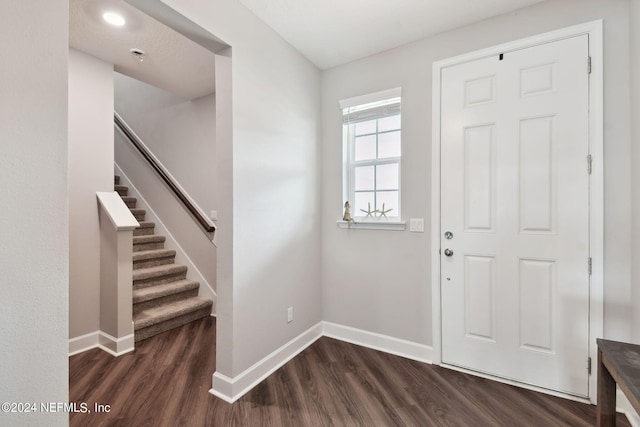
{"x":416,"y":225}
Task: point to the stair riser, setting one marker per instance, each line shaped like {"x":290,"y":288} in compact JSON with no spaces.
{"x":142,"y":334}
{"x":168,"y":299}
{"x":116,"y":180}
{"x":143,"y":231}
{"x":154,"y":262}
{"x":122,"y":191}
{"x":131,"y":204}
{"x":138,"y":216}
{"x":148,"y":246}
{"x":144,"y":283}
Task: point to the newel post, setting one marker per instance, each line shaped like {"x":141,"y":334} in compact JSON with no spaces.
{"x":116,"y":271}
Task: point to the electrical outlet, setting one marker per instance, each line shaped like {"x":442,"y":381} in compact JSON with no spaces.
{"x":289,"y":314}
{"x":416,"y":225}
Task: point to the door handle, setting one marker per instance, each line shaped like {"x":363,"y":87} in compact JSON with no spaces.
{"x":448,"y":252}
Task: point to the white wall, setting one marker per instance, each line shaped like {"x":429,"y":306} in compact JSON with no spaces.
{"x":275,"y":257}
{"x":635,"y":160}
{"x":90,"y":170}
{"x":33,"y":197}
{"x":180,"y":132}
{"x":379,"y":281}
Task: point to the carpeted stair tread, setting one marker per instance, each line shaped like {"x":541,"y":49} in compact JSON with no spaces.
{"x":122,"y":190}
{"x":129,"y":201}
{"x":152,"y":254}
{"x":152,"y":238}
{"x":138,"y":213}
{"x":153,"y":257}
{"x":116,"y":180}
{"x":147,"y":242}
{"x":147,"y":224}
{"x":158,"y":271}
{"x":166,"y":289}
{"x":146,"y":228}
{"x":156,"y":315}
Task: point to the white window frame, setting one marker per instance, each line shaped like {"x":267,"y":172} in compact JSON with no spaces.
{"x":393,"y":221}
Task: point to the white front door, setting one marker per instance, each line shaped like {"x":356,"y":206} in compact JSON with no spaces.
{"x":515,"y":215}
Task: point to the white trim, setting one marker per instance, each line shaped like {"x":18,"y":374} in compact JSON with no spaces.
{"x":596,"y":149}
{"x":624,"y":406}
{"x":116,"y":346}
{"x":379,"y":225}
{"x":371,"y":97}
{"x":117,"y":211}
{"x":98,"y":339}
{"x":596,"y":205}
{"x":388,"y":344}
{"x":231,"y":389}
{"x":83,"y":343}
{"x":170,"y":242}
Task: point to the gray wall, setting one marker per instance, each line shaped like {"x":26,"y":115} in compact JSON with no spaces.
{"x":90,"y":170}
{"x":379,"y":281}
{"x":34,"y":253}
{"x":272,"y":258}
{"x":180,"y":133}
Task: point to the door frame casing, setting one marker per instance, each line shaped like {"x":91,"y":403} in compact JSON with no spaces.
{"x":596,"y":188}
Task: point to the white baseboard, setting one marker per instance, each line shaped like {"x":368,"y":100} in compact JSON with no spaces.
{"x":83,"y":343}
{"x":231,"y":389}
{"x":407,"y":349}
{"x":98,"y":339}
{"x":116,"y":346}
{"x":624,"y":406}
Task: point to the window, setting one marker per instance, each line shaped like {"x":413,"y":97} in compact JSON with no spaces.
{"x":372,"y":149}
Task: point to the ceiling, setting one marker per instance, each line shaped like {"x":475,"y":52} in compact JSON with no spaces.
{"x":172,"y":62}
{"x":334,"y":32}
{"x":328,"y":33}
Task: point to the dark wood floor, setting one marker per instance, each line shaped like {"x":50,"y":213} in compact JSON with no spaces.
{"x":165,"y":382}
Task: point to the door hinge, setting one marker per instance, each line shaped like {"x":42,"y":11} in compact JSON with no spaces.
{"x":589,"y":163}
{"x":590,"y":266}
{"x":589,"y":65}
{"x":589,"y":365}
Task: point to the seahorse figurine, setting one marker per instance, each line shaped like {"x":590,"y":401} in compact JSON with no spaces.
{"x":347,"y":213}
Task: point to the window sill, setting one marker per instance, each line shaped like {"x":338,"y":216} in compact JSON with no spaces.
{"x":373,"y":225}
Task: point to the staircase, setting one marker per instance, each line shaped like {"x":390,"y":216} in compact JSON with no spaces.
{"x":163,"y":297}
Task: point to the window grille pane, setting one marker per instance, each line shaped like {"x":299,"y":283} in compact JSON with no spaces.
{"x":389,"y":145}
{"x":387,"y":177}
{"x":364,"y":128}
{"x":389,"y":123}
{"x":372,"y":145}
{"x":390,"y":201}
{"x":365,"y":148}
{"x":362,"y":203}
{"x":364,"y":179}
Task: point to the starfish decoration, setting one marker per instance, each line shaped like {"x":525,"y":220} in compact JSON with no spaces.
{"x":369,"y":212}
{"x":383,"y":212}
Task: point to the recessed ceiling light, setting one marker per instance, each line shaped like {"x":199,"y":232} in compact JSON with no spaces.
{"x":114,"y":19}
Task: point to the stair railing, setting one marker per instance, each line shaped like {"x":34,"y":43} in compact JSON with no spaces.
{"x":196,"y":212}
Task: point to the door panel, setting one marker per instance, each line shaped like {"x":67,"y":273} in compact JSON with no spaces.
{"x":515,"y":289}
